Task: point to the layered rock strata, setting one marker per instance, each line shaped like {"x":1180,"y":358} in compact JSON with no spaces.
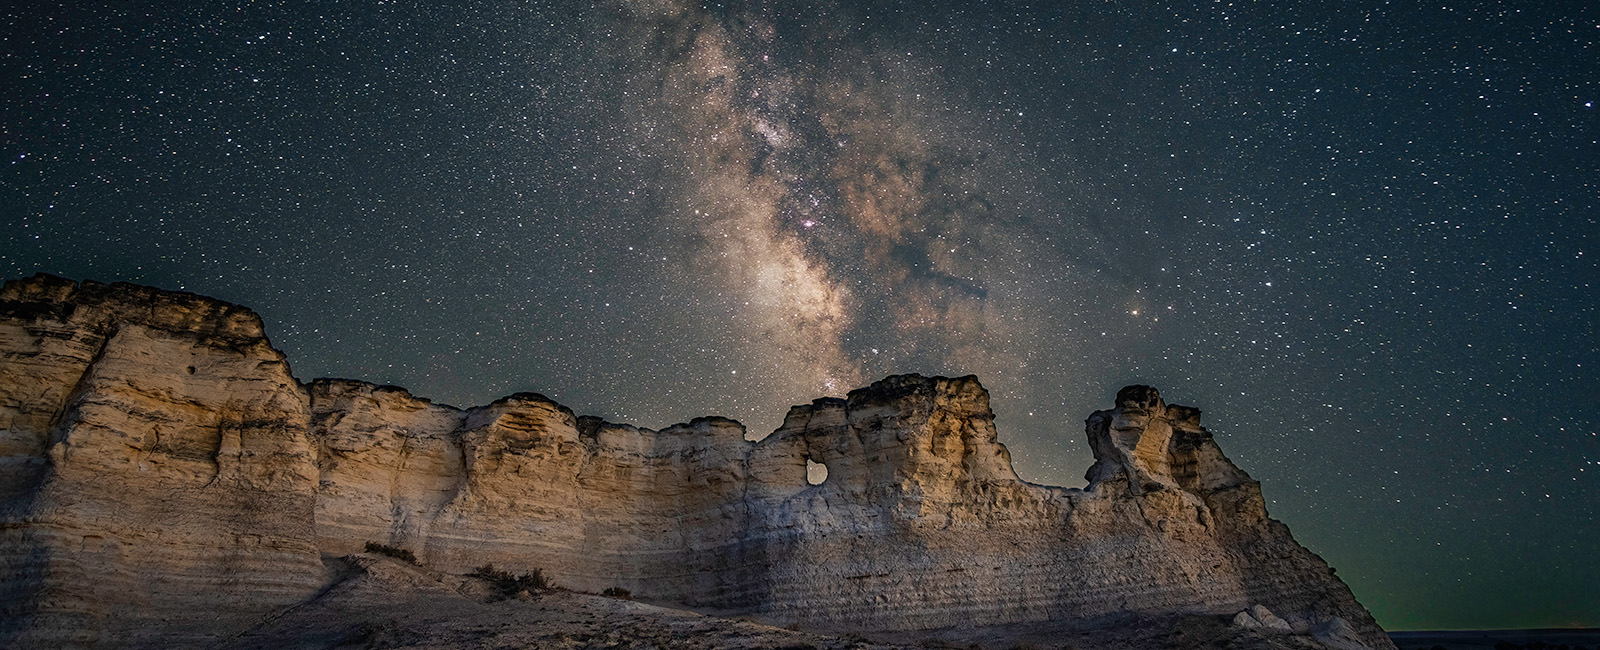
{"x":167,"y":481}
{"x":156,"y":476}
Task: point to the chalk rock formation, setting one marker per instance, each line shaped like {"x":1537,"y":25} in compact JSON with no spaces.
{"x":1261,"y":618}
{"x":166,"y":481}
{"x":523,"y":483}
{"x":923,"y":523}
{"x":156,"y":479}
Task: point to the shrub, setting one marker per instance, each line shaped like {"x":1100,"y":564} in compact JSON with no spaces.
{"x":617,"y":592}
{"x":393,"y":551}
{"x":507,"y":584}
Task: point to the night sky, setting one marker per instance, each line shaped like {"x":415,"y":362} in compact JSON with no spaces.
{"x":1362,"y":236}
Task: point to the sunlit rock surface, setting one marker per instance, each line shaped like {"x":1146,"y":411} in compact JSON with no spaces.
{"x":167,"y":482}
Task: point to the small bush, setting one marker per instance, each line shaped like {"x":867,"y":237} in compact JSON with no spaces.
{"x":507,"y":584}
{"x":393,"y":551}
{"x":617,"y":592}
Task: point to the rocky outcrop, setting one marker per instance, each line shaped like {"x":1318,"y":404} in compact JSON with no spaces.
{"x":922,"y":521}
{"x":157,"y":476}
{"x":166,"y":481}
{"x":523,"y":483}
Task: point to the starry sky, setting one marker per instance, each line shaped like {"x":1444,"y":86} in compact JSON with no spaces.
{"x":1362,"y":236}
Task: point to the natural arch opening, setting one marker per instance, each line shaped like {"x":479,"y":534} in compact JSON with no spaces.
{"x":816,"y":472}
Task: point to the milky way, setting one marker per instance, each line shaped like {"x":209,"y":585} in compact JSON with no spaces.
{"x":1363,"y":240}
{"x":833,"y":199}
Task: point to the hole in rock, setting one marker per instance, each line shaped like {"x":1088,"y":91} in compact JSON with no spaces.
{"x":816,"y":472}
{"x":190,"y":369}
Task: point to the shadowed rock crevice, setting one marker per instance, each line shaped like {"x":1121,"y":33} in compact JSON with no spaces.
{"x":179,"y":484}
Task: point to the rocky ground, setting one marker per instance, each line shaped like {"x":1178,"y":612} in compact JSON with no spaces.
{"x":379,"y":602}
{"x":374,"y":601}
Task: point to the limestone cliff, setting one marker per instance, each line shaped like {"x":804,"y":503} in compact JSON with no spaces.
{"x":523,"y":483}
{"x":156,"y":477}
{"x":166,"y":481}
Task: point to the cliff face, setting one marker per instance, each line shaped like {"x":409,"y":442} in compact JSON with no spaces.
{"x":167,"y":481}
{"x":925,"y":522}
{"x":157,"y":475}
{"x":522,"y":483}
